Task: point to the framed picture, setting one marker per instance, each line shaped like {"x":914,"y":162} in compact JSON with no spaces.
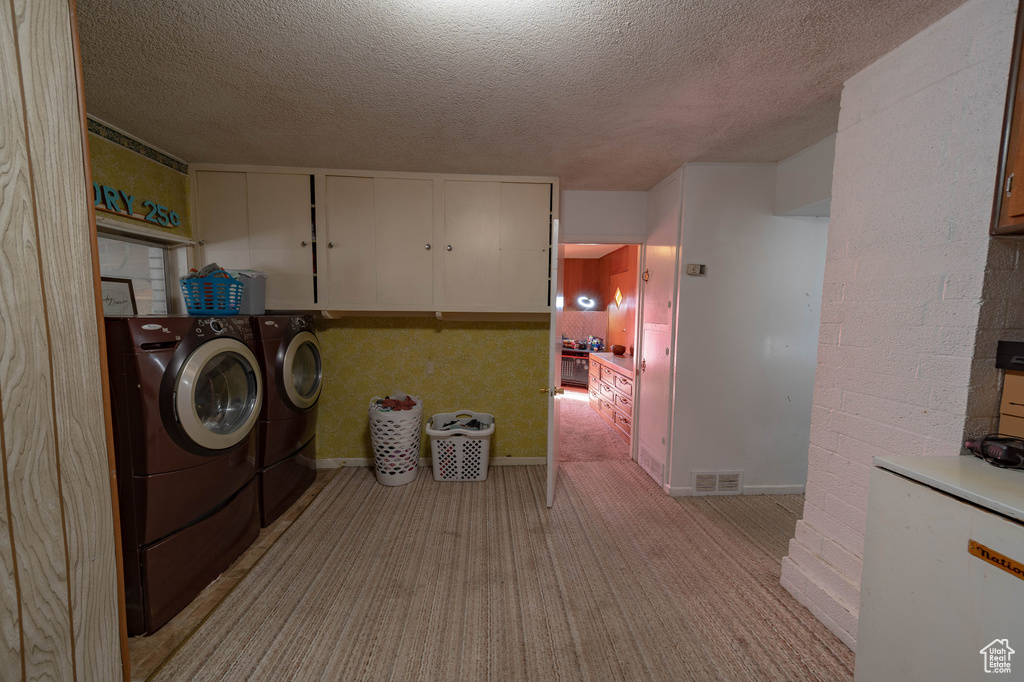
{"x":118,"y":297}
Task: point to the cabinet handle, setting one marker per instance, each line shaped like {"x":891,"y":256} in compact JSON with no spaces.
{"x":330,"y":245}
{"x":304,"y":242}
{"x":646,"y":276}
{"x":1009,"y":185}
{"x":427,"y":247}
{"x":643,"y":366}
{"x":202,"y":242}
{"x":448,"y":248}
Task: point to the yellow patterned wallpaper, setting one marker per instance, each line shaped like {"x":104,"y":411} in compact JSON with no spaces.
{"x":147,"y":180}
{"x":493,"y":367}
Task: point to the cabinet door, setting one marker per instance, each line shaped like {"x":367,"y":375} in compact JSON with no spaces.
{"x":404,"y":229}
{"x":351,"y":267}
{"x":524,"y":241}
{"x":223,"y":219}
{"x":472,"y":216}
{"x":281,"y":236}
{"x":663,"y":210}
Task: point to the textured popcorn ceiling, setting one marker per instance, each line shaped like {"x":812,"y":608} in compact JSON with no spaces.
{"x":604,"y":94}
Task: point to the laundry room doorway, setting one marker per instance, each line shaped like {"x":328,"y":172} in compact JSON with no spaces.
{"x":599,"y":324}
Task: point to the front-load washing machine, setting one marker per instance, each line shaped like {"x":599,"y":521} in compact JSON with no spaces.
{"x":186,"y":395}
{"x":290,"y":357}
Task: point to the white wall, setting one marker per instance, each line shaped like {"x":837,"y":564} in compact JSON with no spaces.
{"x":747,"y":332}
{"x":908,"y":248}
{"x":803,"y":182}
{"x":602,"y":217}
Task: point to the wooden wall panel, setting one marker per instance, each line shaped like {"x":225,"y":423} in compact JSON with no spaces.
{"x":30,"y":457}
{"x":13,"y":202}
{"x":581,"y":279}
{"x":619,"y":270}
{"x":54,"y":115}
{"x":60,"y":554}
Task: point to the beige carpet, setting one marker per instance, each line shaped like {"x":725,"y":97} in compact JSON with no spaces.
{"x":584,"y":436}
{"x":479,"y":581}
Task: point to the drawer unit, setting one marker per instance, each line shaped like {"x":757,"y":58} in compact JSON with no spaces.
{"x":611,"y":394}
{"x":623,"y":422}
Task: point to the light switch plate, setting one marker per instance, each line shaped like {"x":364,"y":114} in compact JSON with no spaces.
{"x":696,"y":269}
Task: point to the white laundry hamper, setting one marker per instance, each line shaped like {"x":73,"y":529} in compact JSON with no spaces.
{"x":460,"y":454}
{"x":395,"y":437}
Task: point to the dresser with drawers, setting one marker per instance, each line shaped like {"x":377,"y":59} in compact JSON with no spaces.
{"x":611,"y":391}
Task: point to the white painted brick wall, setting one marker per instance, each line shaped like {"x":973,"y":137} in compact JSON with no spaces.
{"x":915,"y":293}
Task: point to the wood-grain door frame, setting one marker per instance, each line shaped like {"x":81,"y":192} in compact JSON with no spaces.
{"x":107,"y":409}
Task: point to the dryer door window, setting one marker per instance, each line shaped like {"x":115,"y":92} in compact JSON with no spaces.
{"x":219,"y":394}
{"x":303,"y":370}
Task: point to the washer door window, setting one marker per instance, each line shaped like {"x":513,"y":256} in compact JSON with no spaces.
{"x":219,"y":393}
{"x":302,"y":373}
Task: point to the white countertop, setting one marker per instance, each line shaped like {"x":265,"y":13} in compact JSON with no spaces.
{"x":967,"y":477}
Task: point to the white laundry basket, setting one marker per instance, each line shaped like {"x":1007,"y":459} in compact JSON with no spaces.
{"x":396,"y":442}
{"x":459,"y":454}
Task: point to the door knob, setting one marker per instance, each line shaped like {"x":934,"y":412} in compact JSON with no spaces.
{"x":427,"y":247}
{"x":330,"y":245}
{"x":448,"y":248}
{"x":559,"y":391}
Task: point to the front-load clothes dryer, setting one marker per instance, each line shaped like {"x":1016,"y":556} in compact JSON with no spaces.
{"x":293,"y":369}
{"x":186,"y":395}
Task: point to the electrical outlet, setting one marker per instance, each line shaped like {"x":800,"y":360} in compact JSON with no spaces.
{"x":696,"y":269}
{"x":430,"y":366}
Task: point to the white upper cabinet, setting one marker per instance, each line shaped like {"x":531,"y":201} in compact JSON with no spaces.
{"x":472,"y":214}
{"x":524,"y":259}
{"x":260,"y":221}
{"x":222,"y":209}
{"x":383,"y":241}
{"x":379,"y":234}
{"x":350,"y":267}
{"x":497,"y":236}
{"x":281,"y":237}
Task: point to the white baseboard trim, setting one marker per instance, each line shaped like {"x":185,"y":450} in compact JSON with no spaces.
{"x":338,"y":462}
{"x":679,"y":491}
{"x":773,"y":489}
{"x":517,"y":461}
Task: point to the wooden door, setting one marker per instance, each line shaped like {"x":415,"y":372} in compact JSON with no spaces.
{"x":404,"y":232}
{"x":281,"y":237}
{"x":351,"y":252}
{"x":472,"y":218}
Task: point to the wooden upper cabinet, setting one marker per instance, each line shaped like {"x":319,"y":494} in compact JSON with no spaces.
{"x":1008,"y":210}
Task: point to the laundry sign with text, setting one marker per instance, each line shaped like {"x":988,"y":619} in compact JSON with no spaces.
{"x":111,"y":200}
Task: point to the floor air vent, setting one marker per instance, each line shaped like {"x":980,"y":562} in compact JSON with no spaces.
{"x":649,"y":464}
{"x":717,"y":482}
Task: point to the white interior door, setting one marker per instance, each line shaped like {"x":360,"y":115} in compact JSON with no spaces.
{"x":555,"y":359}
